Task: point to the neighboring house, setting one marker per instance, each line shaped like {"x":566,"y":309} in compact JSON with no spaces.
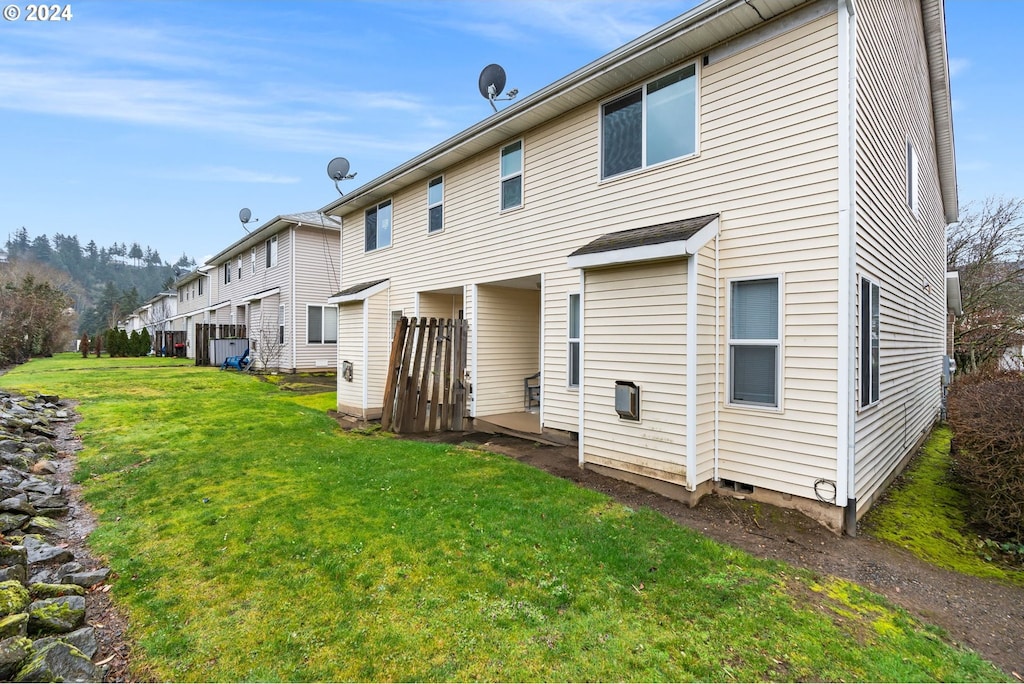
{"x":275,"y":281}
{"x":722,"y":245}
{"x":164,"y":324}
{"x":193,"y":290}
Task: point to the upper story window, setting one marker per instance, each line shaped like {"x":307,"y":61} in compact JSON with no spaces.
{"x":652,"y":124}
{"x":378,"y":227}
{"x":271,"y":248}
{"x":912,"y":174}
{"x":754,"y":342}
{"x":239,"y":266}
{"x":435,"y":205}
{"x":200,"y":283}
{"x":512,"y":175}
{"x":252,"y":261}
{"x":227,"y":272}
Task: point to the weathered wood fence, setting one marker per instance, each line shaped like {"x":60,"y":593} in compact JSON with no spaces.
{"x":210,"y":331}
{"x":426,"y":390}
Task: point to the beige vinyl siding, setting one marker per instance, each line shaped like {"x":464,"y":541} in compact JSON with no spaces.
{"x":707,"y":371}
{"x":379,"y":351}
{"x":351,"y":346}
{"x":778,"y":116}
{"x":440,"y":305}
{"x":768,"y":164}
{"x":561,"y":403}
{"x":634,"y":330}
{"x":895,"y":249}
{"x":316,"y":274}
{"x":508,"y":347}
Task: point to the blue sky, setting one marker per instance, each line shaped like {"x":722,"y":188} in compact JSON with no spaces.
{"x":156,"y":122}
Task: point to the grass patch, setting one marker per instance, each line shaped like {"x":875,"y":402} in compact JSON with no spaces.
{"x":925,"y":514}
{"x":255,"y":541}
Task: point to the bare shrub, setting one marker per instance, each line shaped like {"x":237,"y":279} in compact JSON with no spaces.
{"x":986,"y":414}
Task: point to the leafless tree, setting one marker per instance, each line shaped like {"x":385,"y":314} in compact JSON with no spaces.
{"x":267,"y":346}
{"x":987,"y":249}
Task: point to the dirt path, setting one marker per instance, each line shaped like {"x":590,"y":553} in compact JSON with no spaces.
{"x":985,"y":616}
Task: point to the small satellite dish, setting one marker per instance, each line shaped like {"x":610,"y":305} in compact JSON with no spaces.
{"x":245,"y":216}
{"x":492,"y":83}
{"x":338,"y":170}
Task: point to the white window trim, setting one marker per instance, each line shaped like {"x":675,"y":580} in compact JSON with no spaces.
{"x":227,"y":273}
{"x":569,"y":339}
{"x":376,"y":208}
{"x":323,"y":327}
{"x":281,"y":339}
{"x":521,"y":173}
{"x":239,"y":266}
{"x":778,"y":342}
{"x":252,"y":261}
{"x":394,"y":321}
{"x":861,"y":357}
{"x":432,"y":205}
{"x":271,"y":246}
{"x":644,"y":166}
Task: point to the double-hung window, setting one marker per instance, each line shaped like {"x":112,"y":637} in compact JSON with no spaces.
{"x":322,"y":324}
{"x":239,"y":266}
{"x":252,"y":261}
{"x":271,"y":248}
{"x":512,"y":175}
{"x":652,"y":124}
{"x":227,"y":272}
{"x":378,"y":227}
{"x":573,"y":351}
{"x":869,"y":338}
{"x":435,"y":205}
{"x":754,"y":342}
{"x":280,"y":324}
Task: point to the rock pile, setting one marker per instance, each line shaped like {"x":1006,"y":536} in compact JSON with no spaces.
{"x":43,"y":635}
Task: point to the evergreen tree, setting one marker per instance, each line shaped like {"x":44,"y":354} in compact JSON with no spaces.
{"x":40,"y":250}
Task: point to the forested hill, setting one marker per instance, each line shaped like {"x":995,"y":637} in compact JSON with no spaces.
{"x":106,"y":283}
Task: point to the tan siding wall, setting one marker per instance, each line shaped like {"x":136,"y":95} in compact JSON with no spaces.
{"x":350,"y":348}
{"x":707,"y":377}
{"x":895,"y":249}
{"x":561,"y":404}
{"x":508,"y":339}
{"x":380,"y":334}
{"x":634,"y":327}
{"x":768,"y":164}
{"x":436,"y":305}
{"x":315,"y":252}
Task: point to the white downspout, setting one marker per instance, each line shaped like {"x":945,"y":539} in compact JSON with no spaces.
{"x":295,"y":312}
{"x":846,"y":466}
{"x":583,"y":369}
{"x":691,"y":372}
{"x":543,"y":308}
{"x":473,"y":342}
{"x":719,"y":317}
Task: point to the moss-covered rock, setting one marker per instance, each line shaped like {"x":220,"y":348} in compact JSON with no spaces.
{"x":13,"y":555}
{"x":59,"y":662}
{"x":14,"y":625}
{"x":56,"y":615}
{"x":41,"y":590}
{"x":44,"y":525}
{"x":13,"y":597}
{"x":13,"y":652}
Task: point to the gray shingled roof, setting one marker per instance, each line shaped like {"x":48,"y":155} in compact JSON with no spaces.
{"x":358,"y":288}
{"x":674,"y":231}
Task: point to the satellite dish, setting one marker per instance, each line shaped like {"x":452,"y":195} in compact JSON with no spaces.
{"x":245,"y":216}
{"x":338,"y":170}
{"x":492,"y":83}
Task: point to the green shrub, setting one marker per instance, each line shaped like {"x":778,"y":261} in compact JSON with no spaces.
{"x":988,"y":451}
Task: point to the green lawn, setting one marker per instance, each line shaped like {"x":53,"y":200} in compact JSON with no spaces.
{"x":253,"y":540}
{"x":926,"y":514}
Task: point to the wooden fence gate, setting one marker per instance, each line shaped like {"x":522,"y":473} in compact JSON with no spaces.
{"x":426,"y":389}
